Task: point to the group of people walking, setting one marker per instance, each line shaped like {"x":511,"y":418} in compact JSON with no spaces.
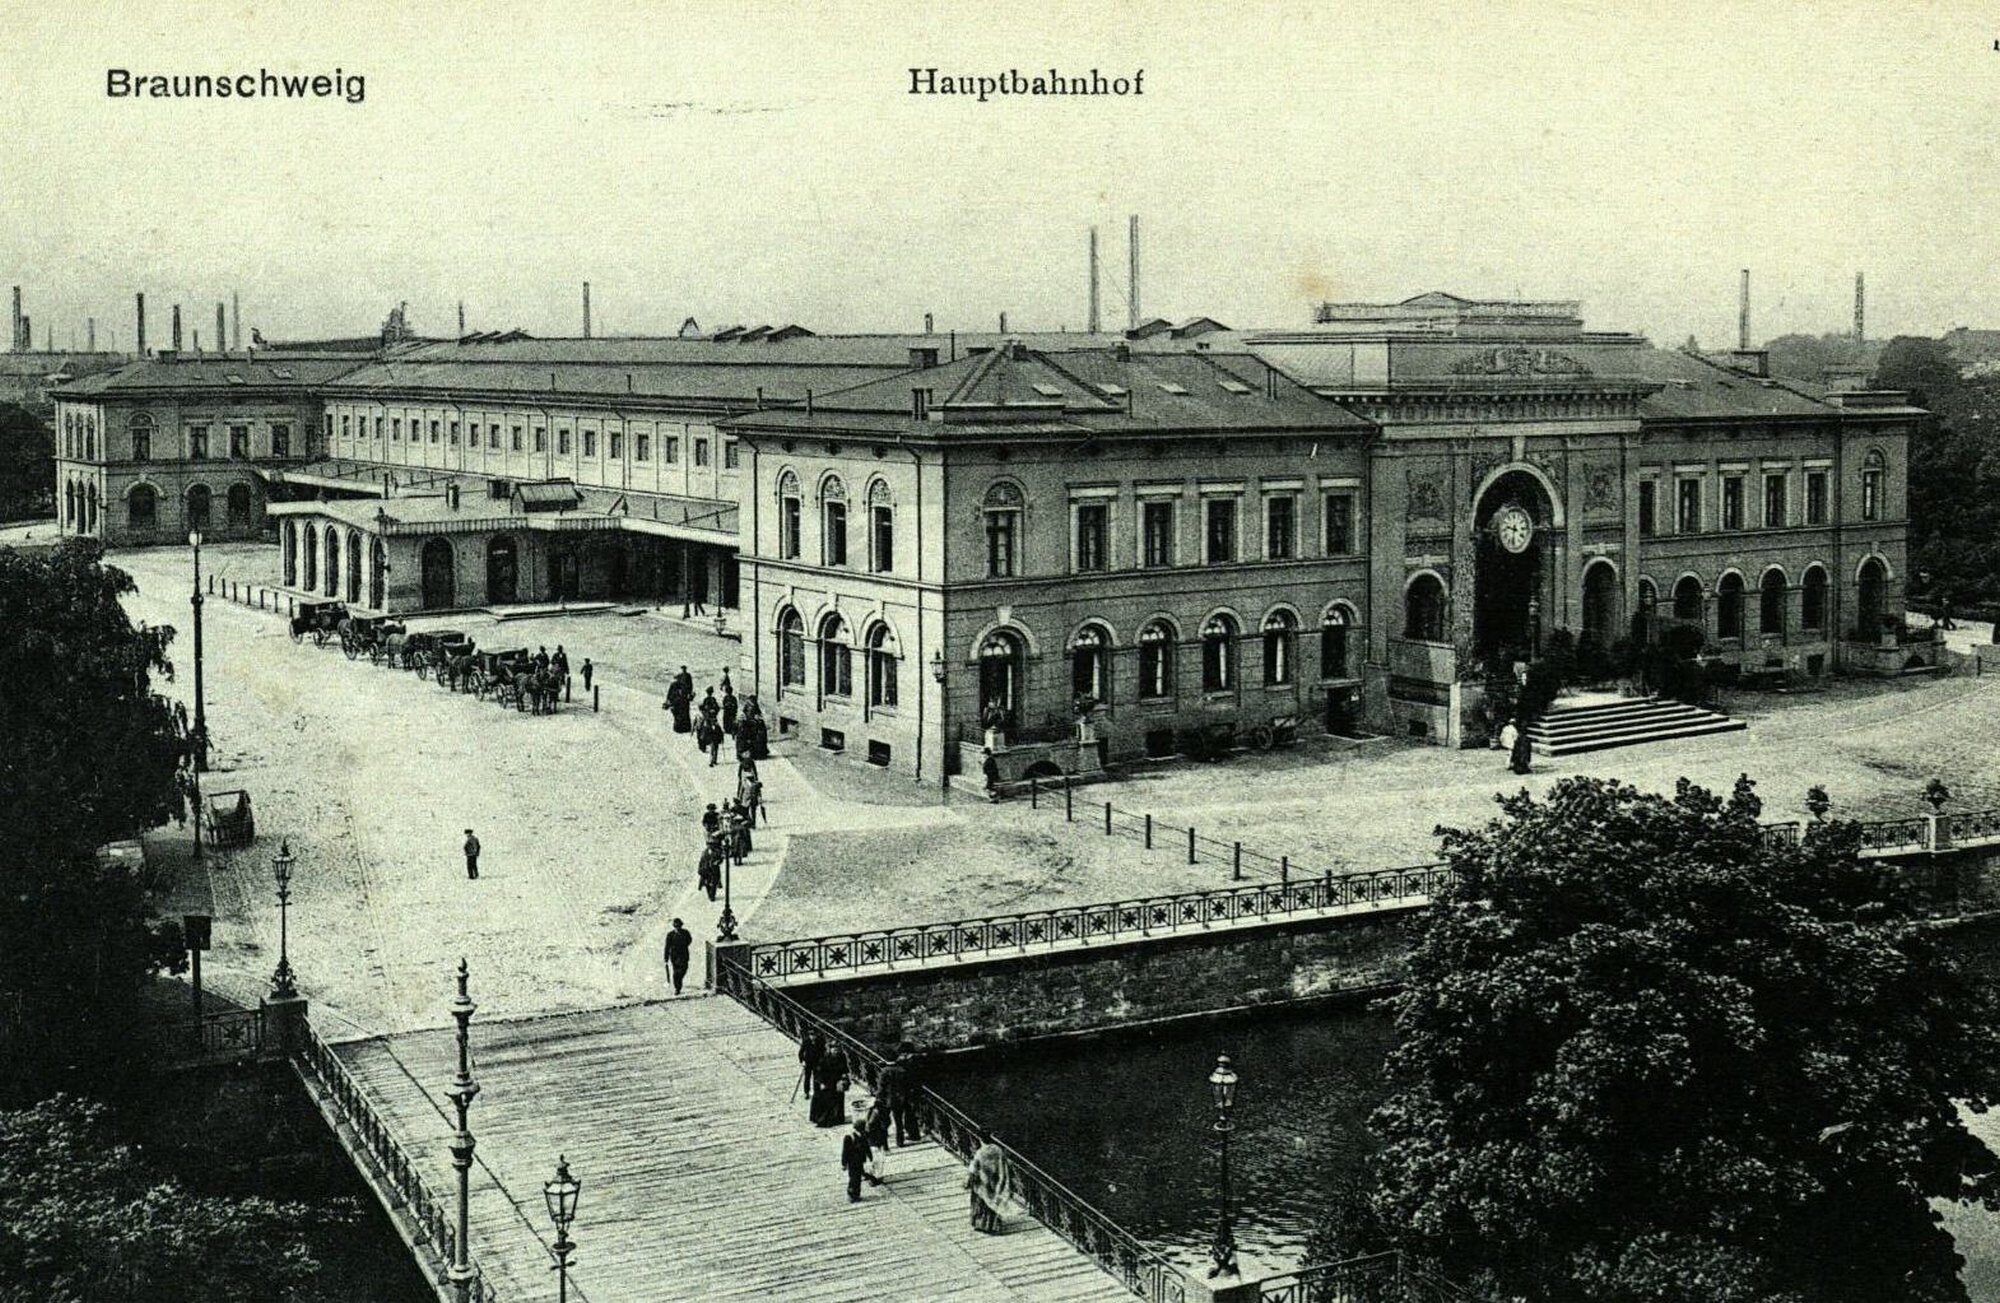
{"x":727,"y":827}
{"x":715,"y":717}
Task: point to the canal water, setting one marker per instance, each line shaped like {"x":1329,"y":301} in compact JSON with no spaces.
{"x":1123,"y":1120}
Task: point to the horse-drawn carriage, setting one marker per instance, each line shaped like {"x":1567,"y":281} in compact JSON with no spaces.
{"x":227,"y":818}
{"x":441,"y":654}
{"x":375,"y":636}
{"x":495,"y":673}
{"x":317,"y":620}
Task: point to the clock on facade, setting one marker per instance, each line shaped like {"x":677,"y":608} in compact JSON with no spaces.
{"x":1514,"y":528}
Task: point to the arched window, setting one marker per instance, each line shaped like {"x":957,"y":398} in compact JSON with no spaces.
{"x":833,"y":521}
{"x":142,"y":437}
{"x":354,"y":567}
{"x":1648,"y":607}
{"x":791,"y":650}
{"x":309,"y":556}
{"x":1001,"y":660}
{"x":378,"y":570}
{"x":1156,"y":659}
{"x":290,"y":552}
{"x":1869,"y":588}
{"x":90,"y":438}
{"x":1687,"y":599}
{"x":1002,"y":511}
{"x":1812,"y":600}
{"x":1218,"y":654}
{"x":1090,"y":664}
{"x":239,"y":506}
{"x":69,"y":435}
{"x":90,"y":502}
{"x":1729,"y":606}
{"x":198,"y":504}
{"x":1281,"y":631}
{"x":1771,"y":602}
{"x":1600,"y":603}
{"x":332,"y":567}
{"x":142,"y":509}
{"x":788,"y":516}
{"x":1334,"y":625}
{"x":881,"y":528}
{"x":1423,"y":609}
{"x":883,"y":658}
{"x":1874,"y":469}
{"x":836,"y":659}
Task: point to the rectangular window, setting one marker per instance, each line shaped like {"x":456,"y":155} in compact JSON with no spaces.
{"x":142,"y":445}
{"x":642,"y":447}
{"x":1871,"y":495}
{"x":1649,"y":508}
{"x":197,"y":441}
{"x":788,"y":529}
{"x":834,"y":542}
{"x":1815,"y":497}
{"x":1732,"y":502}
{"x":730,"y":456}
{"x":395,"y":429}
{"x":617,"y":447}
{"x":882,"y":528}
{"x":1687,"y":507}
{"x":1156,"y":534}
{"x":239,"y":441}
{"x":1220,"y":536}
{"x":541,"y":438}
{"x":1093,"y":526}
{"x":492,"y":436}
{"x":514,"y":439}
{"x":346,"y":427}
{"x":670,"y":449}
{"x":590,"y":443}
{"x":701,"y":452}
{"x":1280,"y":528}
{"x":1774,"y":501}
{"x":434,"y":431}
{"x":1001,"y":528}
{"x":281,"y":441}
{"x":1340,"y":524}
{"x":378,"y":427}
{"x":452,"y":434}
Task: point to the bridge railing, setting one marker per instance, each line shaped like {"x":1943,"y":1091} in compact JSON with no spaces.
{"x":433,"y":1216}
{"x":1142,"y":1270}
{"x":1375,"y":1278}
{"x":973,"y":938}
{"x":217,"y":1036}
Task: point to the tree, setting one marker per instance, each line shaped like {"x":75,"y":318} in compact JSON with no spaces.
{"x":1649,"y":1053}
{"x":1954,"y":462}
{"x":84,"y":1217}
{"x":88,"y":754}
{"x":27,"y":464}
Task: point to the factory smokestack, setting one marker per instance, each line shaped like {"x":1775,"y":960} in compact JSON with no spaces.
{"x":140,"y":320}
{"x":1132,"y":291}
{"x":1860,"y":308}
{"x":90,"y":334}
{"x":1096,"y":324}
{"x":177,"y":328}
{"x":14,"y":340}
{"x":461,"y":318}
{"x":1003,"y":323}
{"x":1743,"y":314}
{"x":235,"y":320}
{"x":586,"y":309}
{"x":221,"y":329}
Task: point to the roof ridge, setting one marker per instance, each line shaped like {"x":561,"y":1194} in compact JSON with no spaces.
{"x":981,"y":367}
{"x":1089,"y":390}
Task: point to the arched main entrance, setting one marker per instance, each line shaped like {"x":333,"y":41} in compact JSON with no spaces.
{"x":1601,"y":600}
{"x":1001,"y":662}
{"x":440,"y":575}
{"x":502,"y":570}
{"x":1869,"y":587}
{"x":1514,"y":565}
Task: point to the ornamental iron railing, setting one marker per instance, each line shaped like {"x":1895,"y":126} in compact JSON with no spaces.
{"x":1143,"y":1271}
{"x":1005,"y":934}
{"x":430,"y":1215}
{"x":1376,"y":1278}
{"x":214,"y":1037}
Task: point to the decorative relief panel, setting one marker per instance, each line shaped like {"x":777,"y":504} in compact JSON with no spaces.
{"x":1425,"y":499}
{"x":1600,"y":490}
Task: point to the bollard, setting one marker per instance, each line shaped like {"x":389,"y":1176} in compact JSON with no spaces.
{"x":1190,"y":844}
{"x":593,"y":698}
{"x":1069,"y":805}
{"x":1034,"y":792}
{"x":1107,"y":818}
{"x":1329,"y":889}
{"x":568,"y":696}
{"x":1149,"y":830}
{"x":1238,"y":871}
{"x":211,"y":585}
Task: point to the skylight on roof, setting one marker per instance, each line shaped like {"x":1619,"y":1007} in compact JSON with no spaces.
{"x":1234,"y":386}
{"x":234,"y":379}
{"x":1048,"y":391}
{"x":1169,"y":387}
{"x":282,"y":374}
{"x":1115,"y":391}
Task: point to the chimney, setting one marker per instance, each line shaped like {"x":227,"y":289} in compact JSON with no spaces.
{"x":1860,"y":309}
{"x":1003,"y":323}
{"x":14,"y":340}
{"x":923,"y":359}
{"x":197,"y":343}
{"x":461,"y":318}
{"x":451,"y":496}
{"x":920,"y":404}
{"x":90,"y":334}
{"x":586,"y":309}
{"x":177,"y":328}
{"x":235,"y":320}
{"x":1094,"y":325}
{"x":1132,"y":292}
{"x":221,"y":329}
{"x":1743,"y":314}
{"x":139,"y":311}
{"x":929,"y":323}
{"x":26,"y":343}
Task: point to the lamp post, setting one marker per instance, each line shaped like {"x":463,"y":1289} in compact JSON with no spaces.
{"x":938,"y":674}
{"x":560,"y":1194}
{"x":725,"y":927}
{"x":200,"y":701}
{"x":463,"y":1090}
{"x":282,"y":985}
{"x":1222,"y":1083}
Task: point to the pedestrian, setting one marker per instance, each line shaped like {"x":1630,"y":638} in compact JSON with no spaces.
{"x":1521,"y":752}
{"x":898,"y":1089}
{"x":728,"y":707}
{"x":588,"y":670}
{"x":876,"y":1127}
{"x":708,"y":872}
{"x":711,"y":819}
{"x":680,"y":695}
{"x":990,"y":1184}
{"x":471,"y":855}
{"x":560,"y":663}
{"x":541,"y":658}
{"x":829,"y":1106}
{"x":753,"y":797}
{"x":739,"y":820}
{"x":726,"y":686}
{"x":713,"y":743}
{"x":991,"y":769}
{"x":680,"y":942}
{"x":699,"y":609}
{"x":811,"y":1050}
{"x":854,"y":1156}
{"x":709,"y":707}
{"x":1508,"y":734}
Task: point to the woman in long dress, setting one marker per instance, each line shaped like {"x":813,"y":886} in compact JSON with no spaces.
{"x":991,"y":1185}
{"x":829,"y":1108}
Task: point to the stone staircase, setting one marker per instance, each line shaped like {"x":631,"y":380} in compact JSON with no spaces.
{"x":1572,"y":729}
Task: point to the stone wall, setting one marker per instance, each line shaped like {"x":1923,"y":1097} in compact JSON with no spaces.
{"x":1023,"y":997}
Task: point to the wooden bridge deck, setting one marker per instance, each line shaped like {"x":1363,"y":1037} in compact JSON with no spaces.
{"x":701,"y":1177}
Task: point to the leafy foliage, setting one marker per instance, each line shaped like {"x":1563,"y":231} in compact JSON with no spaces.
{"x":1648,"y":1054}
{"x":88,"y":754}
{"x":83,"y":1217}
{"x":1954,"y":485}
{"x":27,"y":463}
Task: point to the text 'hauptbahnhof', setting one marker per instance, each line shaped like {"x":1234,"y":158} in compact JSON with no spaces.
{"x":1167,"y":532}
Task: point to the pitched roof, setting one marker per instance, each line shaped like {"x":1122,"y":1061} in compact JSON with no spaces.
{"x":220,"y":372}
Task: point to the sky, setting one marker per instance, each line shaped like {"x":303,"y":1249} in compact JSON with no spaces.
{"x":747,"y":162}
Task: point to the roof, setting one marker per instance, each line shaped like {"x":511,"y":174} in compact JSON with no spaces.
{"x":1022,"y":391}
{"x":234,"y":373}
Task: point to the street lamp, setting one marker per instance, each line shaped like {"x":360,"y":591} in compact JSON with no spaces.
{"x":200,"y":702}
{"x":725,"y":927}
{"x":282,"y":985}
{"x":560,"y":1194}
{"x":938,"y":676}
{"x":1222,"y":1083}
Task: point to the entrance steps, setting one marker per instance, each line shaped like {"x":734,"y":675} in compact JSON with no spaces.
{"x":1568,"y":730}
